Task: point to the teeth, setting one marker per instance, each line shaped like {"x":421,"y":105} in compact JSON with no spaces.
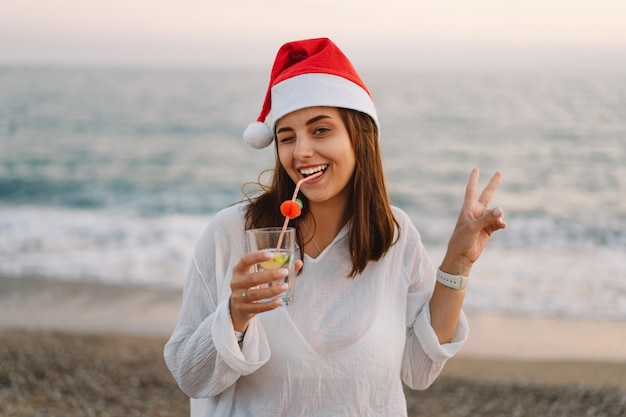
{"x":313,"y":170}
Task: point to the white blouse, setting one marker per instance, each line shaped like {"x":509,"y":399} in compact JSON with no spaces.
{"x":343,"y":347}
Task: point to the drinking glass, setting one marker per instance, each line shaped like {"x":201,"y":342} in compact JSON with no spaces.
{"x":282,"y":249}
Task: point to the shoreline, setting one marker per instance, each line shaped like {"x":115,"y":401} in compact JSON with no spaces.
{"x":544,"y":338}
{"x":38,"y":304}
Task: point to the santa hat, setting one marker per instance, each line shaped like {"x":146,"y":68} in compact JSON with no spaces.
{"x":308,"y":73}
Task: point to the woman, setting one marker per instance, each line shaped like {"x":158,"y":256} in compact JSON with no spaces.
{"x":370,"y":311}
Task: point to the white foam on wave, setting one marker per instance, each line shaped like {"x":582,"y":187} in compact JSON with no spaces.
{"x":103,"y":246}
{"x":517,"y":274}
{"x":583,"y":283}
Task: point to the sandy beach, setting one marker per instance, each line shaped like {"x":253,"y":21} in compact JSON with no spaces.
{"x":75,"y":349}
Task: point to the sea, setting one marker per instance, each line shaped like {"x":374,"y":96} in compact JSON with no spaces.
{"x":110,"y":175}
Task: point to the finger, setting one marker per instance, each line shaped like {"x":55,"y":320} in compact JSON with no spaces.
{"x":490,"y":189}
{"x":266,"y":277}
{"x":243,"y":278}
{"x":472,"y":185}
{"x":242,"y":312}
{"x":249,"y":259}
{"x":492,"y":218}
{"x":259,"y":307}
{"x":266,"y":292}
{"x":499,"y":216}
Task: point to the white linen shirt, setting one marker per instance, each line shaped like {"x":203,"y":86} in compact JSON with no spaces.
{"x":343,"y":348}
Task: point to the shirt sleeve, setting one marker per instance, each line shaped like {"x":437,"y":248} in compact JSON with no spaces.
{"x":203,"y":354}
{"x":424,"y":357}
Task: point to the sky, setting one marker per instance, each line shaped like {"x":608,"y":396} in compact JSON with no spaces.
{"x":247,"y":33}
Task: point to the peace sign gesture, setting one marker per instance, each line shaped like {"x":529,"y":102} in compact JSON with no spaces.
{"x":474,"y":227}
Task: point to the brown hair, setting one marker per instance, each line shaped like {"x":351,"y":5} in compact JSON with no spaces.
{"x":372,"y":227}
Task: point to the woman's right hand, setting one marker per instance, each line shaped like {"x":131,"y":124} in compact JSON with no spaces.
{"x":244,"y":300}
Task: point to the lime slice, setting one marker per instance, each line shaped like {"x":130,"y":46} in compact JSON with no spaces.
{"x":278,"y":260}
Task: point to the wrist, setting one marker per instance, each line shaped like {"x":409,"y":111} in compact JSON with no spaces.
{"x":456,"y":282}
{"x":456,"y":266}
{"x":239,"y":324}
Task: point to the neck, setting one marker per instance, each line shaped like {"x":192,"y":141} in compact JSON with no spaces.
{"x":330,"y":216}
{"x":323,"y":230}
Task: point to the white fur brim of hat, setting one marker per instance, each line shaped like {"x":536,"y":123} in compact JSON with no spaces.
{"x":308,"y":90}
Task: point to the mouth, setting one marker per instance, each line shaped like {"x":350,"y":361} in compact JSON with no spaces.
{"x":313,"y":170}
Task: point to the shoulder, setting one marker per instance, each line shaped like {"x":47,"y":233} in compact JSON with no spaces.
{"x":229,"y":221}
{"x":400,"y":215}
{"x":223,"y":238}
{"x":230,"y":216}
{"x":408,"y":232}
{"x":410,"y":250}
{"x":403,"y":219}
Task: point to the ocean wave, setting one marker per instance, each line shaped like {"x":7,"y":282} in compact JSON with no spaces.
{"x":110,"y":175}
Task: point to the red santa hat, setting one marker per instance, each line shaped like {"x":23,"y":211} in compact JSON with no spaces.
{"x":308,"y":73}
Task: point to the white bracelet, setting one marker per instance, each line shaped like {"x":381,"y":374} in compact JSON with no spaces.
{"x":457,"y":282}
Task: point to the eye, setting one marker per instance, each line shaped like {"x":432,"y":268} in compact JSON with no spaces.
{"x":285,"y":138}
{"x":321,"y":130}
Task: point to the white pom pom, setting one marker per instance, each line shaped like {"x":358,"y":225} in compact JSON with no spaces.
{"x":258,"y":135}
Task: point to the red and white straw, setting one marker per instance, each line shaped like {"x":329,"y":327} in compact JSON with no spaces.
{"x":293,"y":198}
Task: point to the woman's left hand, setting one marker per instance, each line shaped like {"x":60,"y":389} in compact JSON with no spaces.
{"x":474,"y":227}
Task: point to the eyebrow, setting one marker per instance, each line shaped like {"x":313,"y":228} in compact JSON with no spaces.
{"x":308,"y":122}
{"x":316,"y":118}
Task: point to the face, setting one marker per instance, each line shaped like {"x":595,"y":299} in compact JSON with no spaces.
{"x":315,"y":139}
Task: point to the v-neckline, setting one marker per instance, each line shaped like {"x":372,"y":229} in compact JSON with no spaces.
{"x":341,"y":234}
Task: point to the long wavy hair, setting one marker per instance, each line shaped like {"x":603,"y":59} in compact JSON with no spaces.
{"x":372,"y":225}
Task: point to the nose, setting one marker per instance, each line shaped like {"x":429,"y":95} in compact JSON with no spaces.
{"x":304,"y":148}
